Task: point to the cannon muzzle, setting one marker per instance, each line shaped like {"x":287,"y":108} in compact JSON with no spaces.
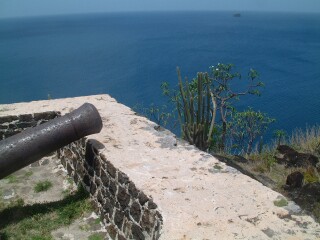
{"x":32,"y":144}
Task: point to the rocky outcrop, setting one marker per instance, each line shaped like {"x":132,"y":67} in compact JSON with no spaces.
{"x":291,"y":158}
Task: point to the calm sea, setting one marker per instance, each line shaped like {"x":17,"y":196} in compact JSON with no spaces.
{"x":128,"y":55}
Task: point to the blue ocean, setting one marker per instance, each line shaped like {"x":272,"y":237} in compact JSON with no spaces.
{"x":128,"y":55}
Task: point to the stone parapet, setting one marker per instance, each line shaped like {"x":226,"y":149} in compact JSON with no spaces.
{"x":147,"y":184}
{"x":13,"y":124}
{"x":126,"y":211}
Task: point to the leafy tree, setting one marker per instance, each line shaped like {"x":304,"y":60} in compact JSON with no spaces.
{"x":221,"y":77}
{"x":247,"y":126}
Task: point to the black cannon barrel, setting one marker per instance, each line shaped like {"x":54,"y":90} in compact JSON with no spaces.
{"x":32,"y":144}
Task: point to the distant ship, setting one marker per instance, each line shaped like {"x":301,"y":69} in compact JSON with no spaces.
{"x":237,"y":15}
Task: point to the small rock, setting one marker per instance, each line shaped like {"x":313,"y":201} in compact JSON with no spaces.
{"x":294,"y":180}
{"x":292,"y":208}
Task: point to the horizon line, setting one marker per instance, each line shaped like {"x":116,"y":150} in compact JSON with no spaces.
{"x":155,"y":11}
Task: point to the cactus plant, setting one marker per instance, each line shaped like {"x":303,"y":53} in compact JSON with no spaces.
{"x":195,"y":111}
{"x":197,"y":103}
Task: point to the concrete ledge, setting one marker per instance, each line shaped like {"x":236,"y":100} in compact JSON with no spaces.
{"x":197,"y":196}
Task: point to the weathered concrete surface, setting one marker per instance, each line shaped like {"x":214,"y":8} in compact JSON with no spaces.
{"x":199,"y":197}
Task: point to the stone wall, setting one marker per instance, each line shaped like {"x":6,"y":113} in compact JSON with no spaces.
{"x":125,"y":210}
{"x":199,"y":196}
{"x":11,"y":125}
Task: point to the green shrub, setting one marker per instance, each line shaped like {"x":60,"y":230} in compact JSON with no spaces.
{"x":281,"y":202}
{"x":42,"y":186}
{"x":264,"y":161}
{"x":310,"y":175}
{"x":246,"y":126}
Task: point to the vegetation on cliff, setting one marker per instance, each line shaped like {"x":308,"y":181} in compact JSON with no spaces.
{"x":205,"y":110}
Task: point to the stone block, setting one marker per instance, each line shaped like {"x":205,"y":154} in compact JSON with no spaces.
{"x":121,"y":237}
{"x":108,"y":207}
{"x":90,"y":155}
{"x":8,"y":119}
{"x":123,"y":197}
{"x":46,"y":115}
{"x":113,"y":188}
{"x":112,"y":231}
{"x":122,"y":178}
{"x":93,"y":188}
{"x":98,"y":181}
{"x":104,"y":178}
{"x":103,"y":157}
{"x":25,"y":118}
{"x":79,"y":168}
{"x":69,"y":169}
{"x":12,"y":126}
{"x":126,"y":227}
{"x":97,"y":165}
{"x":151,"y":204}
{"x":3,"y":127}
{"x":143,"y":198}
{"x":100,"y":197}
{"x":111,"y":170}
{"x":135,"y":211}
{"x":118,"y":218}
{"x":133,"y":191}
{"x":147,"y":220}
{"x":24,"y":125}
{"x":137,"y":232}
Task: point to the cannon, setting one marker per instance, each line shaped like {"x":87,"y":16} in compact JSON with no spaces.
{"x":34,"y":143}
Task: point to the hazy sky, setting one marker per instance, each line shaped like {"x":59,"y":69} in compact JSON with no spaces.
{"x":18,"y":8}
